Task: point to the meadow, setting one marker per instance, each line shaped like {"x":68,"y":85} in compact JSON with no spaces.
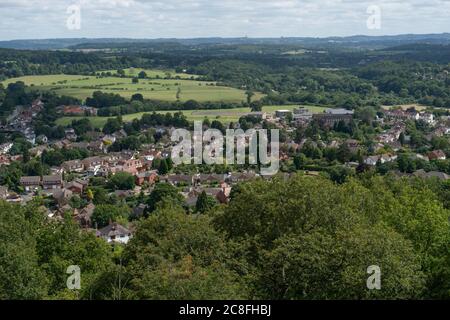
{"x":154,"y":73}
{"x":223,"y":115}
{"x":81,"y":87}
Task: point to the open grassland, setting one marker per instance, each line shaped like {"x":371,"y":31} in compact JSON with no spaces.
{"x":223,"y":115}
{"x":153,"y":73}
{"x":81,"y":87}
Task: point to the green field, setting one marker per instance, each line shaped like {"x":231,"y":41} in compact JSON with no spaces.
{"x":223,"y":115}
{"x":154,"y":73}
{"x":81,"y":87}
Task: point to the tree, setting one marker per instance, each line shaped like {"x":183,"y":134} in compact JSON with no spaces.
{"x":137,"y":97}
{"x":204,"y":203}
{"x":135,"y":80}
{"x":20,"y":275}
{"x":90,"y":194}
{"x":352,"y":218}
{"x":300,"y":161}
{"x":112,"y":125}
{"x":249,"y":94}
{"x":105,"y":214}
{"x":163,"y":191}
{"x":163,"y":168}
{"x":177,"y":256}
{"x":122,"y":181}
{"x":142,"y":75}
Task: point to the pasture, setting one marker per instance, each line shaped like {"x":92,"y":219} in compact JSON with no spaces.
{"x":81,"y":87}
{"x":154,"y":73}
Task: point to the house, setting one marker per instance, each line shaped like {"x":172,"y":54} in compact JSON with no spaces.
{"x":257,"y":115}
{"x":70,"y":134}
{"x":282,"y":114}
{"x":427,"y":117}
{"x":31,"y":183}
{"x":75,"y":187}
{"x":139,"y":211}
{"x":97,"y":146}
{"x":373,"y":160}
{"x":146,"y":177}
{"x":52,"y":182}
{"x":131,"y":166}
{"x":5,"y":147}
{"x":209,"y":178}
{"x":122,"y":194}
{"x":437,"y":155}
{"x":61,"y":196}
{"x":84,"y":216}
{"x":177,"y":179}
{"x":73,"y":166}
{"x":92,"y":164}
{"x":352,"y":144}
{"x":74,"y":110}
{"x":5,"y":160}
{"x":115,"y":233}
{"x":236,"y":177}
{"x":37,"y":151}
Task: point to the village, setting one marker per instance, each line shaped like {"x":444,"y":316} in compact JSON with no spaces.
{"x":75,"y":180}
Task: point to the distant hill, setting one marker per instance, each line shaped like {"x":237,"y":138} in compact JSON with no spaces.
{"x":358,"y":41}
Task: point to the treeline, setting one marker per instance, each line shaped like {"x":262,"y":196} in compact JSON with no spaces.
{"x":17,"y":63}
{"x":317,"y":243}
{"x":11,"y":96}
{"x":111,"y":104}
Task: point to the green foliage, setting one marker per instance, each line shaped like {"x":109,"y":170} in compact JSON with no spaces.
{"x":204,"y":203}
{"x":163,"y":192}
{"x":106,"y":213}
{"x":315,"y":239}
{"x":177,"y":256}
{"x":122,"y":181}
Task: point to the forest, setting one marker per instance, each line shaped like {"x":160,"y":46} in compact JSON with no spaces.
{"x":316,"y":243}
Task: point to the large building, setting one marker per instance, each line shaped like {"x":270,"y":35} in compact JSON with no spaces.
{"x":333,"y":116}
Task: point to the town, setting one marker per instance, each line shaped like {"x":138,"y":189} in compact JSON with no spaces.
{"x":404,"y":142}
{"x":225,"y":169}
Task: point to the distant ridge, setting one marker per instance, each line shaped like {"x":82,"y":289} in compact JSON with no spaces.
{"x":356,"y":40}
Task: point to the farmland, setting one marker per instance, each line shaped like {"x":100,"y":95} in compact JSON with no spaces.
{"x":154,"y":73}
{"x":81,"y":87}
{"x":223,"y":115}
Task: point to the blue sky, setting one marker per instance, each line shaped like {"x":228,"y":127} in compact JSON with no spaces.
{"x":35,"y":19}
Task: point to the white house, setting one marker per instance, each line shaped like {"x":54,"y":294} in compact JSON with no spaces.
{"x":115,"y":233}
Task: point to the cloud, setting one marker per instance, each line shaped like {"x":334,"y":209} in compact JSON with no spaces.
{"x":227,"y":18}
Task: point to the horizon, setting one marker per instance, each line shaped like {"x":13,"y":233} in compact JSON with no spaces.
{"x":193,"y":19}
{"x":220,"y":37}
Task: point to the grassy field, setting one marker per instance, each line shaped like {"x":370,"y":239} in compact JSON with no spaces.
{"x":161,"y":89}
{"x":223,"y":115}
{"x":153,"y":73}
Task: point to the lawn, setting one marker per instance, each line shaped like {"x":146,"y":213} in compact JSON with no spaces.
{"x":161,"y":89}
{"x":223,"y":115}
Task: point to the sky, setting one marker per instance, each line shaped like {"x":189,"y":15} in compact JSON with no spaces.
{"x":40,"y":19}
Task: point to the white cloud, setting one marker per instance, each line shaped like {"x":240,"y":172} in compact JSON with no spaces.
{"x":227,"y":18}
